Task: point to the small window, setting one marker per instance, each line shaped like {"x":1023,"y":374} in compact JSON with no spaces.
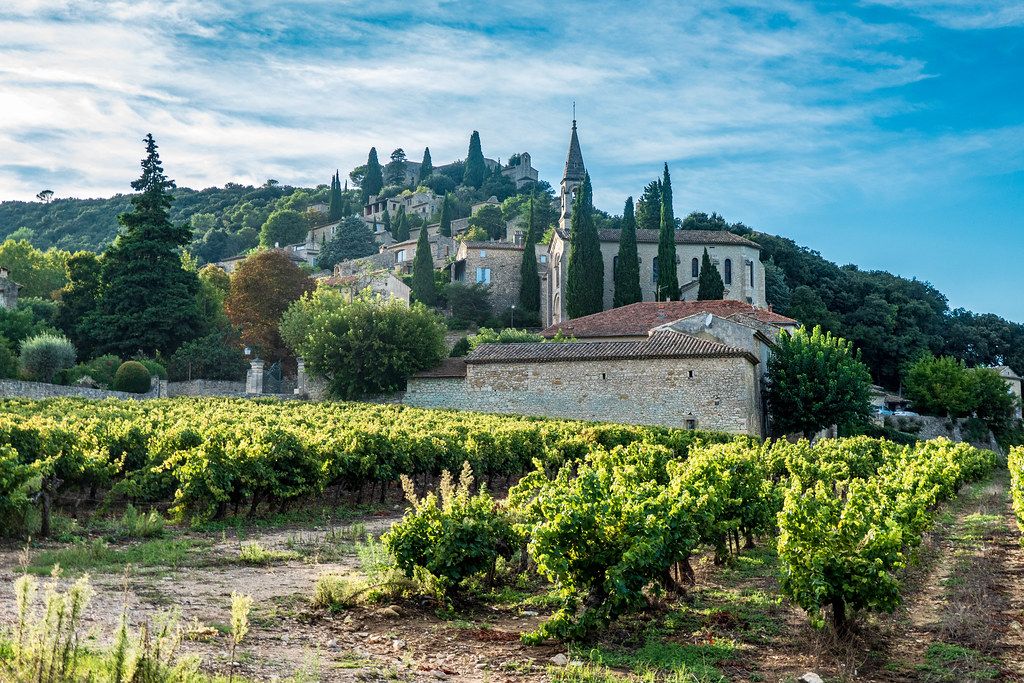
{"x":400,"y":256}
{"x":728,"y":271}
{"x":691,"y":424}
{"x":483,"y":276}
{"x":483,"y":253}
{"x":543,"y":258}
{"x":750,"y":273}
{"x":604,"y":375}
{"x":691,"y":374}
{"x":695,"y":268}
{"x":654,"y":270}
{"x":615,"y":263}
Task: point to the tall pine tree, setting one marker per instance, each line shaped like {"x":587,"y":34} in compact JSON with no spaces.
{"x":373,"y":181}
{"x":446,"y":216}
{"x":401,"y":225}
{"x":426,"y":166}
{"x":627,"y":265}
{"x":386,"y":220}
{"x":423,"y":286}
{"x":146,"y":300}
{"x":648,"y":207}
{"x":709,"y":286}
{"x":337,"y":209}
{"x":529,"y":279}
{"x":668,"y":277}
{"x":584,"y":287}
{"x":475,"y":168}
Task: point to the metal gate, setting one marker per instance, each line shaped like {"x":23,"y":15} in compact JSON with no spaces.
{"x":272,"y":379}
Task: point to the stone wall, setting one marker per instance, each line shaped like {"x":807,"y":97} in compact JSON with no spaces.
{"x":13,"y":388}
{"x":716,"y":393}
{"x":928,"y":427}
{"x":205,"y":387}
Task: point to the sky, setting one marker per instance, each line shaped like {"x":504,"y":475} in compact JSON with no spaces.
{"x":886,"y":133}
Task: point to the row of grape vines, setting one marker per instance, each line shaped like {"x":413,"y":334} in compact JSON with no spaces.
{"x":1016,"y":463}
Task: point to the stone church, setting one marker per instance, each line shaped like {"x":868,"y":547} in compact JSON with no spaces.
{"x":737,"y":259}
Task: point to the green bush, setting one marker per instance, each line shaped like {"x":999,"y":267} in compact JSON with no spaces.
{"x":461,"y":348}
{"x":509,"y":335}
{"x":100,"y":369}
{"x":8,"y":361}
{"x":45,"y":355}
{"x":217,"y":356}
{"x":156,"y":369}
{"x":454,"y":535}
{"x":132,"y":377}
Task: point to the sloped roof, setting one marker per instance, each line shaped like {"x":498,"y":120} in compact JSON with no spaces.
{"x":659,"y":345}
{"x":574,"y":169}
{"x":716,"y":237}
{"x":638,"y":319}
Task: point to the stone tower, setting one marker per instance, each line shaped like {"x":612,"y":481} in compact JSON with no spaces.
{"x":572,"y":178}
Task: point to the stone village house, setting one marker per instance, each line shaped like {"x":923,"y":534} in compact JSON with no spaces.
{"x":8,"y":290}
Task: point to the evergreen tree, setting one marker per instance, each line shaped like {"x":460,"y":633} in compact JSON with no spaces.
{"x":423,"y":286}
{"x":532,"y":228}
{"x":353,"y":239}
{"x":584,"y":289}
{"x":529,"y":287}
{"x":401,"y":229}
{"x":648,"y":207}
{"x":394,"y":172}
{"x":386,"y":220}
{"x":426,"y":166}
{"x":627,"y":265}
{"x":710,"y":286}
{"x":373,"y":179}
{"x":147,"y":301}
{"x":475,"y":169}
{"x":446,"y":216}
{"x":668,"y":278}
{"x":336,"y":211}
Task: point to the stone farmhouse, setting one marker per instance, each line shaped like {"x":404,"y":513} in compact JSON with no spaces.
{"x":422,"y":203}
{"x":737,"y":259}
{"x":495,"y":264}
{"x":8,"y":290}
{"x":699,"y":371}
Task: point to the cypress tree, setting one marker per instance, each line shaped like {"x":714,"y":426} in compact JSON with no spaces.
{"x":529,"y":279}
{"x":475,"y":169}
{"x":709,"y":286}
{"x":627,"y":265}
{"x":336,"y":211}
{"x":423,"y":287}
{"x":401,"y":230}
{"x":668,"y":278}
{"x":386,"y":220}
{"x":147,"y":300}
{"x":446,"y":216}
{"x":373,"y":181}
{"x":426,"y":166}
{"x":584,"y":287}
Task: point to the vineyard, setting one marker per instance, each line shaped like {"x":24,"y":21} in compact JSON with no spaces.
{"x":601,"y":523}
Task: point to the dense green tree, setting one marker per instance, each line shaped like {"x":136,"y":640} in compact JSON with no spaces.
{"x":284,"y":227}
{"x":373,"y":177}
{"x":79,"y":299}
{"x":942,"y":386}
{"x":367,"y":346}
{"x":40,"y":273}
{"x":648,"y":207}
{"x":216,"y":356}
{"x":394,"y":172}
{"x":469,"y":304}
{"x":476,"y":168}
{"x":353,"y":239}
{"x":776,"y":289}
{"x":400,"y":231}
{"x":386,"y":220}
{"x":710,"y":286}
{"x":584,"y":287}
{"x":147,"y":300}
{"x":627,"y":264}
{"x":668,"y":277}
{"x":698,"y":220}
{"x":44,"y":356}
{"x":337,"y":203}
{"x":440,"y":183}
{"x":426,"y":167}
{"x":995,"y":403}
{"x":214,"y":286}
{"x":423,"y":286}
{"x":815,"y":380}
{"x":445,"y":227}
{"x":529,"y":279}
{"x":489,"y":219}
{"x":498,"y":185}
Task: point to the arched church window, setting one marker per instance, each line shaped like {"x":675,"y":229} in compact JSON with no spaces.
{"x":695,"y":268}
{"x":728,"y":271}
{"x":654,"y":270}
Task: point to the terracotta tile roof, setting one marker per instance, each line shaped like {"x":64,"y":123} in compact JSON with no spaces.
{"x":636,"y":320}
{"x":340,"y":280}
{"x":449,"y":367}
{"x":660,"y":345}
{"x":721,"y":237}
{"x":494,"y":245}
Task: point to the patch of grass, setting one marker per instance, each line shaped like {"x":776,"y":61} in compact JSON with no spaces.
{"x":305,"y":516}
{"x":657,"y":656}
{"x":338,"y":591}
{"x":351,"y":660}
{"x":256,"y":554}
{"x":135,"y":524}
{"x":584,"y":674}
{"x":98,"y":556}
{"x":946,"y":662}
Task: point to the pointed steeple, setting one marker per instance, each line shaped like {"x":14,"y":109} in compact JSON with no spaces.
{"x":574,"y":169}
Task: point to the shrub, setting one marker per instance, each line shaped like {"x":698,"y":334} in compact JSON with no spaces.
{"x":45,"y":355}
{"x":156,"y":369}
{"x":469,"y":302}
{"x":132,"y":377}
{"x":100,"y":369}
{"x":217,"y":356}
{"x":8,"y":361}
{"x":454,"y":535}
{"x":509,"y":335}
{"x":461,"y":348}
{"x":135,"y":524}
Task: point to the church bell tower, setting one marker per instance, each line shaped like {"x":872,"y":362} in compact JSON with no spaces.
{"x":573,"y":176}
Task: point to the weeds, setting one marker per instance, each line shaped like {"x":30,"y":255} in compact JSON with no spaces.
{"x":99,"y":556}
{"x":256,"y":554}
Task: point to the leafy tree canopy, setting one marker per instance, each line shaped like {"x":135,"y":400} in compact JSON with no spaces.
{"x":352,"y":239}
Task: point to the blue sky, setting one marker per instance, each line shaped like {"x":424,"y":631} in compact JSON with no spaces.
{"x":887,"y":133}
